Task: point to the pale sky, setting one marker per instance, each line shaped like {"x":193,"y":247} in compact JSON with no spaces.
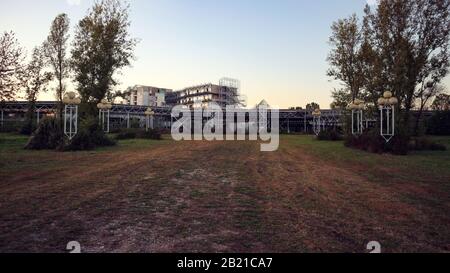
{"x":276,"y":48}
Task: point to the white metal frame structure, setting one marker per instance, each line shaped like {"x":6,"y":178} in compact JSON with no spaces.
{"x":70,"y":114}
{"x":70,"y":120}
{"x":387,"y":122}
{"x":387,"y":115}
{"x":103,"y":114}
{"x":357,"y":108}
{"x":149,"y":114}
{"x":317,"y":122}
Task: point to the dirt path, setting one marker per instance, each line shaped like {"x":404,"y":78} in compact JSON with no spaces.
{"x":208,"y":197}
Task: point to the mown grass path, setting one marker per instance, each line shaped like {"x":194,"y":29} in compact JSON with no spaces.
{"x":146,"y":196}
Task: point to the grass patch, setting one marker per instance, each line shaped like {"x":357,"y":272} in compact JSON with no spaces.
{"x":424,"y":163}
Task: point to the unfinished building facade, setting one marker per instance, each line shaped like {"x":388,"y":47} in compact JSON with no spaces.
{"x":227,"y":92}
{"x":147,"y":96}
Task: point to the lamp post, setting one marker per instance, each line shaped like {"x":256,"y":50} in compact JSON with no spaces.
{"x":357,"y":108}
{"x":316,"y":121}
{"x":104,"y":107}
{"x":149,"y":118}
{"x":387,"y":112}
{"x":71,"y":103}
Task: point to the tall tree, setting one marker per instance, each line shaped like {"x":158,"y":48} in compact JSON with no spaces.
{"x":341,"y":97}
{"x":36,"y":77}
{"x":56,"y":50}
{"x":403,"y":47}
{"x":441,"y":103}
{"x":35,"y":81}
{"x":101,"y":47}
{"x":345,"y":56}
{"x":312,"y":106}
{"x":424,"y":99}
{"x":411,"y":40}
{"x":11,"y":66}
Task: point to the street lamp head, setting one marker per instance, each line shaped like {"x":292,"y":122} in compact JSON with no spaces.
{"x":387,"y":100}
{"x":104,"y":105}
{"x":71,"y":95}
{"x":393,"y":101}
{"x":149,"y":112}
{"x":316,"y":113}
{"x":387,"y":94}
{"x":70,"y":98}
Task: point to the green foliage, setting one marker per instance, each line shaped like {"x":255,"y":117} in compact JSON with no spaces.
{"x":126,"y":134}
{"x":341,"y":97}
{"x":330,"y":135}
{"x":55,"y":50}
{"x":48,"y":136}
{"x":441,"y":103}
{"x":150,"y":134}
{"x":312,"y":106}
{"x":28,"y":128}
{"x":372,"y":142}
{"x":399,"y":144}
{"x":138,"y":133}
{"x":439,"y":124}
{"x":89,"y":136}
{"x":400,"y":46}
{"x":425,"y":144}
{"x":101,"y":46}
{"x":12,"y":56}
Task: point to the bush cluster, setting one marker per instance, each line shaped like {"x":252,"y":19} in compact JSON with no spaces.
{"x":425,"y":144}
{"x":138,"y":133}
{"x":28,"y":128}
{"x":439,"y":124}
{"x":48,"y":136}
{"x":398,"y":145}
{"x":90,"y":135}
{"x":331,"y":135}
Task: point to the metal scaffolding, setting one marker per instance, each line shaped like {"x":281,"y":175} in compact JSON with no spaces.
{"x":127,"y":116}
{"x":230,"y":92}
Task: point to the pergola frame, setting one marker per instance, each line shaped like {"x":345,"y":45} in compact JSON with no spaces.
{"x":70,"y":120}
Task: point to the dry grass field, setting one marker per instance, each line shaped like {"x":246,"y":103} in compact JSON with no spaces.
{"x":150,"y":196}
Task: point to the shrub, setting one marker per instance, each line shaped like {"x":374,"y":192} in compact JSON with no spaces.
{"x":89,"y":136}
{"x":28,"y":128}
{"x":372,"y":142}
{"x":366,"y":142}
{"x":150,"y":134}
{"x":126,"y":134}
{"x":330,"y":135}
{"x":399,"y":144}
{"x":138,"y":133}
{"x":439,"y":124}
{"x":48,"y":135}
{"x":425,"y":144}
